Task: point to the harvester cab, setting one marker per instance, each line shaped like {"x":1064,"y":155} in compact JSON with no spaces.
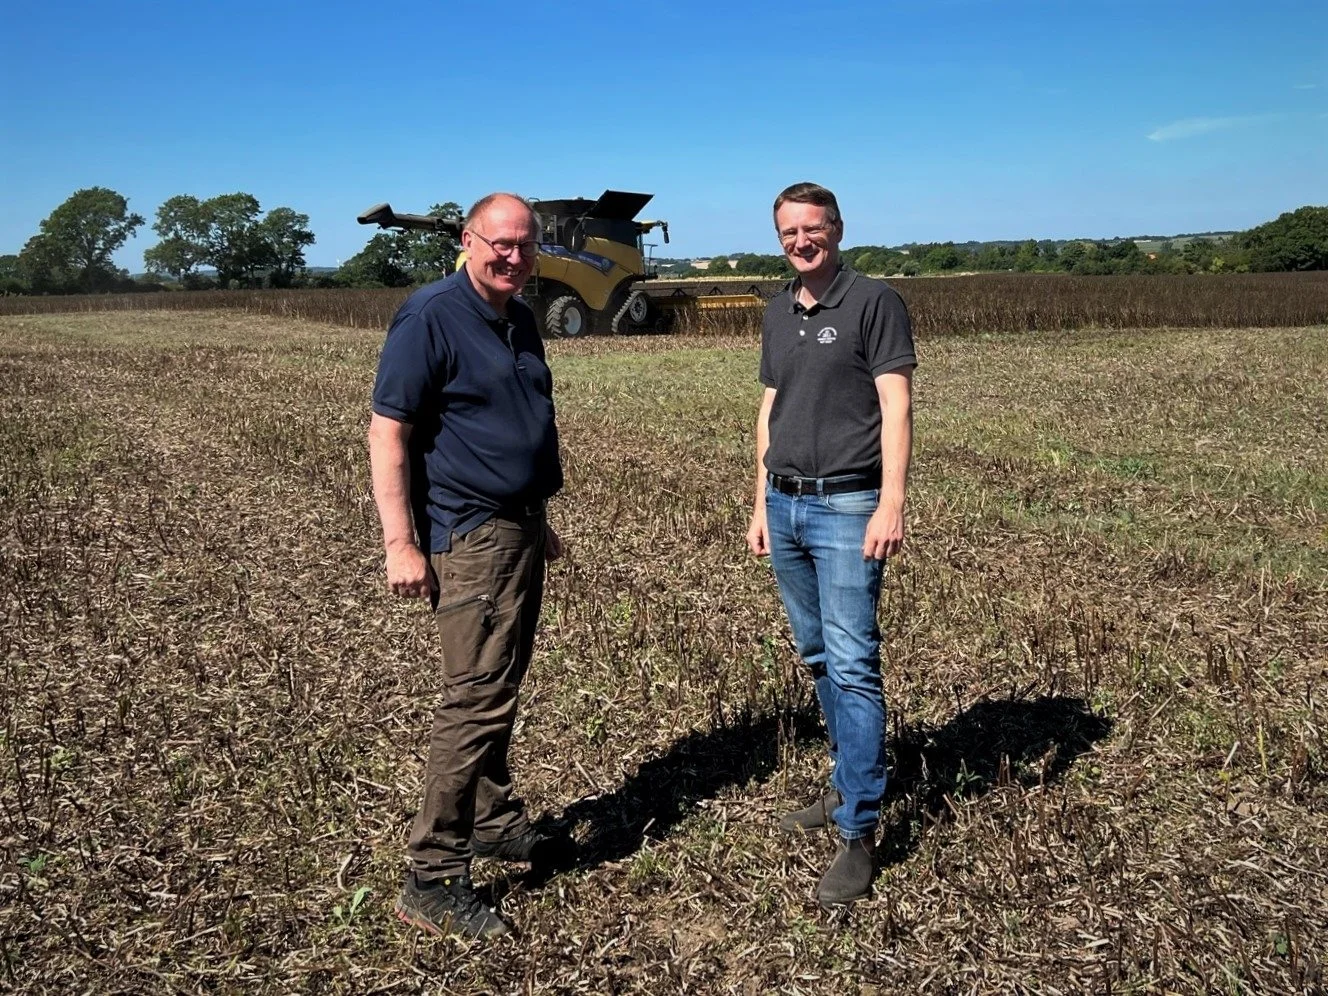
{"x":591,"y":259}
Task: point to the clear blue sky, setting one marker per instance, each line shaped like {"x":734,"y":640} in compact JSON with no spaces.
{"x":944,"y":119}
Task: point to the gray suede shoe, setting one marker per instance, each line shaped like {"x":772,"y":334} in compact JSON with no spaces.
{"x":850,"y":875}
{"x":814,"y":817}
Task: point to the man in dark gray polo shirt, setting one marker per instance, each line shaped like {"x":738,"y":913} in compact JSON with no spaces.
{"x":833,"y":441}
{"x":464,"y":453}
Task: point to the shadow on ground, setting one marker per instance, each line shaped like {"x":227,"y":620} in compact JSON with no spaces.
{"x":1001,"y":742}
{"x":1016,"y":741}
{"x":665,"y":790}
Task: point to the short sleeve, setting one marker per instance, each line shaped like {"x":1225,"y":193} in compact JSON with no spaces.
{"x":888,"y":334}
{"x":767,"y":373}
{"x":413,"y":365}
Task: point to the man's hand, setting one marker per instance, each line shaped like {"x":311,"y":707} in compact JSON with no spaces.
{"x":758,"y":536}
{"x":408,"y":572}
{"x":885,"y":533}
{"x":553,"y":544}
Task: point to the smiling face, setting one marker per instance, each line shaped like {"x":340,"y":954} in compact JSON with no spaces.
{"x":809,"y":238}
{"x":505,"y":224}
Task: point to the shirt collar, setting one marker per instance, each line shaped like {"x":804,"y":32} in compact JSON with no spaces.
{"x":472,"y":297}
{"x":833,"y":295}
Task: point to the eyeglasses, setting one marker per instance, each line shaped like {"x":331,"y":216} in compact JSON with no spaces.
{"x":503,"y":248}
{"x":813,"y":232}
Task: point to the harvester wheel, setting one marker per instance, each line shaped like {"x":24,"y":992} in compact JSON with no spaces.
{"x":567,"y":317}
{"x":638,"y":306}
{"x":631,"y":317}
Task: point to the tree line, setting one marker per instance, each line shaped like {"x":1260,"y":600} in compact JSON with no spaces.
{"x":228,"y":235}
{"x":228,"y":241}
{"x":225,"y":242}
{"x":1297,"y":240}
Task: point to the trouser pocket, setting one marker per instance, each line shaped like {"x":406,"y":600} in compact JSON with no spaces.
{"x":465,"y":624}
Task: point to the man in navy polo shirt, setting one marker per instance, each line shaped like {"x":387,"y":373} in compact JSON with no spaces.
{"x":464,"y":453}
{"x":833,"y":441}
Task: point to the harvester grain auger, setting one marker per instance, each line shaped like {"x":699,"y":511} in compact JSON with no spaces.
{"x":591,"y":262}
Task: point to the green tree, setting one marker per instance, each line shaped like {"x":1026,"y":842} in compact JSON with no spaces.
{"x":1123,"y":256}
{"x":228,"y":233}
{"x":183,"y":226}
{"x":942,"y":257}
{"x":381,"y":263}
{"x":77,"y":240}
{"x":1199,"y":254}
{"x":890,"y":261}
{"x":1072,"y":254}
{"x":1296,"y":240}
{"x":1094,"y":262}
{"x":11,"y":275}
{"x":430,"y":255}
{"x":287,"y":235}
{"x":1027,"y":257}
{"x":43,"y":268}
{"x":236,"y":246}
{"x":751,"y":264}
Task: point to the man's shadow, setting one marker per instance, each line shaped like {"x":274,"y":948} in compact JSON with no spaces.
{"x":991,"y":743}
{"x":665,"y":790}
{"x":1010,"y":741}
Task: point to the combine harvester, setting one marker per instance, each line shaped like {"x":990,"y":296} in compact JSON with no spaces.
{"x":593,"y":275}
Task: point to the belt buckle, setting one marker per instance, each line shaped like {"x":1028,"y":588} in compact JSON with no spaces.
{"x":802,"y":486}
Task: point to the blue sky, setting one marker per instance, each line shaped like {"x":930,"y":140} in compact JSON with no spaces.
{"x":935,"y":120}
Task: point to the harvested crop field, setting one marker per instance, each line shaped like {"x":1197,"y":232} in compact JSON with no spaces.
{"x":1107,"y":645}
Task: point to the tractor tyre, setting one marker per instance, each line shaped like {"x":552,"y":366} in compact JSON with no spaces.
{"x":567,"y":317}
{"x":633,"y":314}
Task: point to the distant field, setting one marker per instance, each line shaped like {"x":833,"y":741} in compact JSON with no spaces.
{"x":985,"y":303}
{"x":1107,"y":649}
{"x":1180,"y":241}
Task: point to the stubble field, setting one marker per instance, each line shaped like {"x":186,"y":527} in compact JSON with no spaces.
{"x":1106,"y":651}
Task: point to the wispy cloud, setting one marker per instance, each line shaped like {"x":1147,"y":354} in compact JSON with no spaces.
{"x":1191,"y":127}
{"x":1305,"y":86}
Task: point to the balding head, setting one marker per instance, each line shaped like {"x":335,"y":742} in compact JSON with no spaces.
{"x":504,"y":204}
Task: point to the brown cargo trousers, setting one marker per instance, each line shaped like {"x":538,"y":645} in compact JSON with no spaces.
{"x":490,"y":585}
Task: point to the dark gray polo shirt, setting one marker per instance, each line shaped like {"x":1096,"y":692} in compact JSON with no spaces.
{"x":823,"y":362}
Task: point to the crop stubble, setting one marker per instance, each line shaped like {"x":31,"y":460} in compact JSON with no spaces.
{"x":1106,"y":650}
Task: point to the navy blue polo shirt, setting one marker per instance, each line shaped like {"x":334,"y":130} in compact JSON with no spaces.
{"x":475,"y":388}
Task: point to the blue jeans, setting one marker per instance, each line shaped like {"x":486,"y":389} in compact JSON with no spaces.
{"x":830,"y":593}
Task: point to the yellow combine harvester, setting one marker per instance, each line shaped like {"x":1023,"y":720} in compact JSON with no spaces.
{"x":592,"y":263}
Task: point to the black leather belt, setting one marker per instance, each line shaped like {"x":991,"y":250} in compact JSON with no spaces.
{"x":823,"y":485}
{"x":526,"y":510}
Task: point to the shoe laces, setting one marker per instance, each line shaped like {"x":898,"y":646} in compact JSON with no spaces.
{"x":468,"y":902}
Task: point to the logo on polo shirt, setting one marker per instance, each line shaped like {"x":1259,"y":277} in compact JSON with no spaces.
{"x":827,"y":335}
